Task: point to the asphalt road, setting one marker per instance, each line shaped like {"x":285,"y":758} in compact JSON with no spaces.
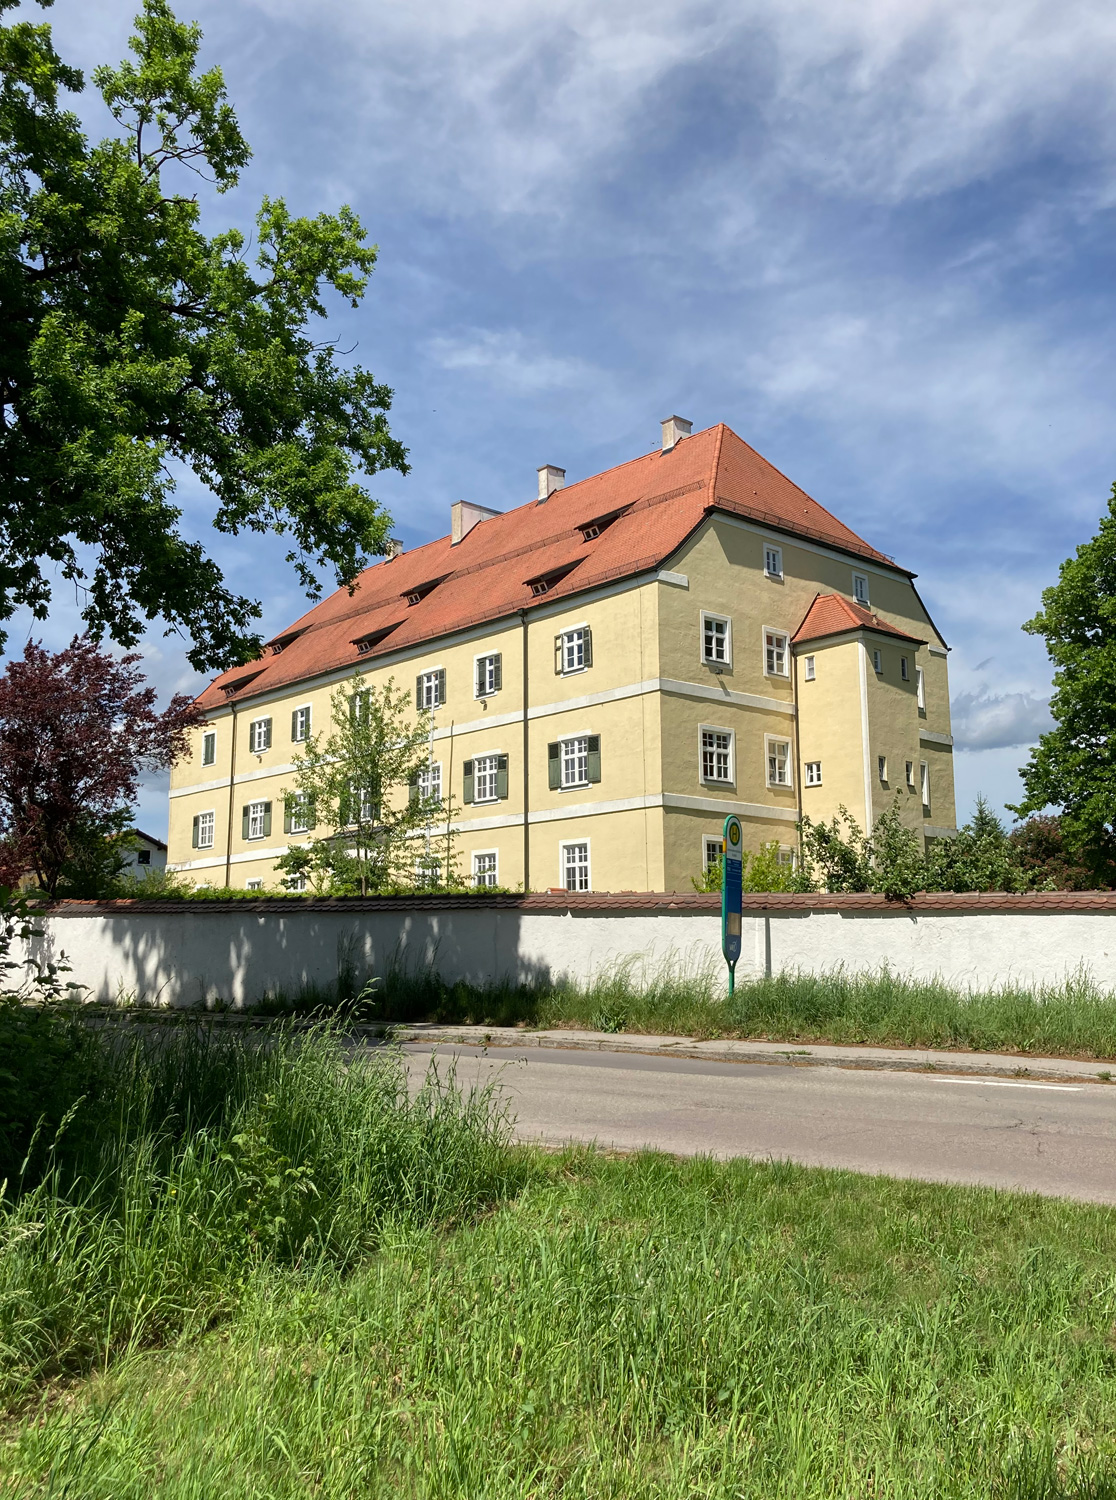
{"x":1058,"y":1139}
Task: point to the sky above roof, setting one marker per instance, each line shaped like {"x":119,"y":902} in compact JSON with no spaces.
{"x":873,"y":237}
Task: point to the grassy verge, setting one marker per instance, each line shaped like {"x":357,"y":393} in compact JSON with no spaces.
{"x":1076,"y":1019}
{"x":637,"y":1328}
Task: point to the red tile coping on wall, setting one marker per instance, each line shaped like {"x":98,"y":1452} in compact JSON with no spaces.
{"x":594,"y":902}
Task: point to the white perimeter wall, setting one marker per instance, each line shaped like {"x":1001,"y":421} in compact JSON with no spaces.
{"x":187,"y":959}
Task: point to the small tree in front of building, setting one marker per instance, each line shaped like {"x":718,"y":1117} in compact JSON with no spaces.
{"x":367,"y":781}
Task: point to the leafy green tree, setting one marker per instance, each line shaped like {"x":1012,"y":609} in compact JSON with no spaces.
{"x":842,"y":856}
{"x":364,"y":781}
{"x":1049,"y":861}
{"x":132,"y":344}
{"x":763,"y":871}
{"x":1073,"y":766}
{"x":980,"y":857}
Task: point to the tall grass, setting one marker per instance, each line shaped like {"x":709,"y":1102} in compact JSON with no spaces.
{"x":1075,"y":1019}
{"x":646,"y":1328}
{"x":200,"y":1157}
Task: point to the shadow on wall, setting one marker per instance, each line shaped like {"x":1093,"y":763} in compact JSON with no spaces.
{"x":239,"y":958}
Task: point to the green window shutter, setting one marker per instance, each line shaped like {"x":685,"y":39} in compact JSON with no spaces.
{"x":502,"y":776}
{"x":267,"y":734}
{"x":418,"y":691}
{"x":294,"y":725}
{"x":343,"y":809}
{"x":244,"y":823}
{"x":312,"y":813}
{"x":558,"y":655}
{"x":467,"y":794}
{"x":441,"y":684}
{"x":594,"y":757}
{"x":498,"y":672}
{"x":554,"y":765}
{"x":194,"y":835}
{"x":286,"y":815}
{"x":267,"y":819}
{"x":588,"y":647}
{"x":479,"y":683}
{"x":413,"y":789}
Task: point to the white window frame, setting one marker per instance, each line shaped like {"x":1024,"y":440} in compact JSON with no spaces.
{"x":494,"y":856}
{"x":769,"y":552}
{"x":924,"y":781}
{"x":254,"y":734}
{"x":299,"y":807}
{"x":568,"y":643}
{"x":877,"y":661}
{"x":563,"y":759}
{"x":862,"y":596}
{"x":431,"y":775}
{"x":428,"y":871}
{"x":768,"y":672}
{"x":254,"y":884}
{"x":726,"y":621}
{"x":910,"y":775}
{"x":703,"y":730}
{"x":881,"y":769}
{"x":810,"y":669}
{"x":920,"y":689}
{"x":431,"y":679}
{"x":562,"y":863}
{"x":303,"y":708}
{"x":212,"y":816}
{"x":808,"y":770}
{"x":257,"y":812}
{"x":712,"y":850}
{"x":905,"y":668}
{"x":778,"y":739}
{"x":209,"y":741}
{"x":494,"y":772}
{"x":485,"y":656}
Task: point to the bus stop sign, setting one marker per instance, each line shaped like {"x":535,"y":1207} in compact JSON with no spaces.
{"x":731,"y":893}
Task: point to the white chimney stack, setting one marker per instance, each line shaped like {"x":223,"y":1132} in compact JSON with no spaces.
{"x":674,"y":430}
{"x":464,"y":515}
{"x":551,"y":478}
{"x":395,"y":547}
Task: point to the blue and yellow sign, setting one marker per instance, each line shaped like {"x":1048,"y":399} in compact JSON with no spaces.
{"x":731,"y":892}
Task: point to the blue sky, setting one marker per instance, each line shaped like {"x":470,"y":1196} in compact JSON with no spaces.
{"x":875,"y":238}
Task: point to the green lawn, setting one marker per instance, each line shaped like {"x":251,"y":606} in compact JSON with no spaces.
{"x":255,"y":1267}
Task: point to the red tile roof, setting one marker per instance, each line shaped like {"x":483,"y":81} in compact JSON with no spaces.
{"x":661,"y":498}
{"x":832,"y":614}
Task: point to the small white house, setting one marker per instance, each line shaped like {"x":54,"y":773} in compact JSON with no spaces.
{"x":147,"y":853}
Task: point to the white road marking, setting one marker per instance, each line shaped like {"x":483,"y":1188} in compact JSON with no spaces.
{"x":1007,"y":1083}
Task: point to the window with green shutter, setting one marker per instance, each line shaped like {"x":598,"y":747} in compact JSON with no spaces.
{"x":502,"y":776}
{"x":467,"y":791}
{"x":554,"y":764}
{"x":594,"y":757}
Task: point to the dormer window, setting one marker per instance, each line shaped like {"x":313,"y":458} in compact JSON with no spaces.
{"x":281,"y":642}
{"x":548,"y":581}
{"x":420,"y":591}
{"x":590,"y":530}
{"x":369,"y":642}
{"x":540,"y":586}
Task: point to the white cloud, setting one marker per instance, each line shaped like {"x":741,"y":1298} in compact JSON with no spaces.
{"x":506,"y":358}
{"x":998,"y":722}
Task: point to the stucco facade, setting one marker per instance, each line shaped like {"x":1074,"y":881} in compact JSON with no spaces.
{"x":692,"y":697}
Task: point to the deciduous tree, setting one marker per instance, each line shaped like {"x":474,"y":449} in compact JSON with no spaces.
{"x":133,"y":344}
{"x":76,"y":730}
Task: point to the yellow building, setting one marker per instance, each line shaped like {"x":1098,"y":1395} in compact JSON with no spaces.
{"x":612,"y":668}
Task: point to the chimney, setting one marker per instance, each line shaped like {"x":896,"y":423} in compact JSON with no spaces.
{"x":674,"y":430}
{"x":464,"y":515}
{"x":551,"y":478}
{"x":395,"y":547}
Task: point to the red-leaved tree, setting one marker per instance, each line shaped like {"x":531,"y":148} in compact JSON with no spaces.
{"x":77,"y":728}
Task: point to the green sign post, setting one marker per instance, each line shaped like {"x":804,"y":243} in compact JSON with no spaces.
{"x":732,"y":881}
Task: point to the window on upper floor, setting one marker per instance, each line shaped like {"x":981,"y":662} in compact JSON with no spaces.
{"x":716,"y":640}
{"x":430,"y":782}
{"x":486,"y":778}
{"x":712,"y":850}
{"x":717,"y":755}
{"x":298,"y":813}
{"x":877,"y":661}
{"x":920,"y":689}
{"x":775,"y":653}
{"x":925,"y":770}
{"x":573,"y":650}
{"x":574,"y":762}
{"x":810,"y":671}
{"x":860,"y":588}
{"x":489,"y":674}
{"x":910,"y":775}
{"x":255,"y":820}
{"x":773,"y":562}
{"x":904,"y":669}
{"x":881,"y":768}
{"x":430,"y":688}
{"x":209,"y":748}
{"x":204,"y":825}
{"x":259,"y":736}
{"x":484,"y":869}
{"x":300,"y":724}
{"x":812,"y":773}
{"x":778,"y":762}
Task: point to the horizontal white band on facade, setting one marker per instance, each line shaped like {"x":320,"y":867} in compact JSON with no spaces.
{"x":724,"y":805}
{"x":680,"y":689}
{"x":932,"y":737}
{"x":937,"y":651}
{"x":679,"y":580}
{"x":246,"y":858}
{"x":933,"y":832}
